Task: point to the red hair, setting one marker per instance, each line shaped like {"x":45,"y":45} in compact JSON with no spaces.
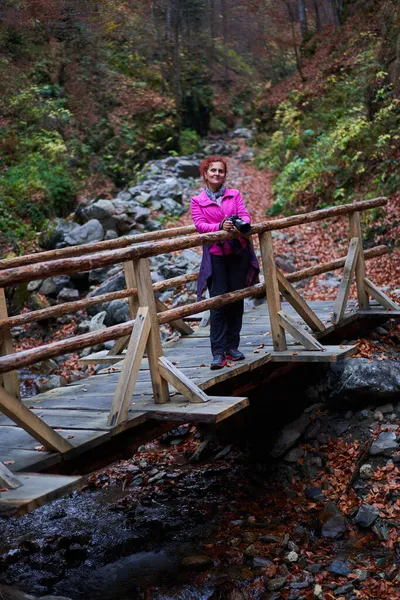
{"x":207,"y":162}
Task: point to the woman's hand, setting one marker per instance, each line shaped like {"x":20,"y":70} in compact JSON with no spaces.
{"x":228,"y":226}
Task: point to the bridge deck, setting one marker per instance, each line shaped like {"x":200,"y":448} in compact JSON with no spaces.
{"x":79,"y":411}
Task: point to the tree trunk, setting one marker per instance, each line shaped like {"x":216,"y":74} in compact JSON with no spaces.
{"x":334,"y":13}
{"x":296,"y":50}
{"x":225,"y":38}
{"x":318,"y":23}
{"x":160,"y":46}
{"x":303,"y":19}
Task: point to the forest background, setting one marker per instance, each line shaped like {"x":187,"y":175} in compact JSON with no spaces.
{"x":92,"y":89}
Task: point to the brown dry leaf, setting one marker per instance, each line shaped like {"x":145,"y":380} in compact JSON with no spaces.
{"x":4,"y":490}
{"x":261,"y":346}
{"x":176,"y":362}
{"x":256,"y":352}
{"x":84,"y":389}
{"x":202,"y":365}
{"x":69,"y":437}
{"x":294,"y":353}
{"x":40,"y":448}
{"x":8,"y":462}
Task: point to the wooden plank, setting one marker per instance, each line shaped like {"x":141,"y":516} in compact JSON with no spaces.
{"x":118,"y":347}
{"x":355,"y":231}
{"x":298,"y":303}
{"x":179,"y":324}
{"x":36,"y":490}
{"x":127,"y":379}
{"x":214,"y":411}
{"x":104,"y":357}
{"x":41,"y":432}
{"x":8,"y":479}
{"x":348,"y":272}
{"x":380,"y":296}
{"x":299,"y":333}
{"x":130,"y":281}
{"x":299,"y":354}
{"x":183,"y":384}
{"x":154,"y":347}
{"x":30,"y":460}
{"x":272,"y":290}
{"x":8,"y":380}
{"x":15,"y":437}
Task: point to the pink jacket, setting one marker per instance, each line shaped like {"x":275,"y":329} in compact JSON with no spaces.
{"x":207,"y":215}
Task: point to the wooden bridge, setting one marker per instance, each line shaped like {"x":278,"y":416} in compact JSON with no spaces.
{"x":144,"y":387}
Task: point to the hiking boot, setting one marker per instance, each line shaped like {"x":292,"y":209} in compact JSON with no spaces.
{"x":234,"y":355}
{"x":218,"y":362}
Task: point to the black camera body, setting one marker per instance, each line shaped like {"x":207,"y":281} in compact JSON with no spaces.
{"x":240,"y":225}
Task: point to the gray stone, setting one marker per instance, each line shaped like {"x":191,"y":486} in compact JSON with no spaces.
{"x":171,"y":207}
{"x":142,"y":214}
{"x":340,"y":568}
{"x":54,"y":598}
{"x":366,"y":471}
{"x":54,"y":235}
{"x":344,"y":589}
{"x":243,"y":132}
{"x":143,"y":198}
{"x":92,"y":231}
{"x":385,"y":409}
{"x":100,"y":210}
{"x":285,"y":265}
{"x":385,"y":444}
{"x":289,"y":435}
{"x":97,"y":322}
{"x":52,"y":286}
{"x":110,"y":235}
{"x":333,"y":523}
{"x":259,"y":562}
{"x":170,"y":188}
{"x":187,"y":168}
{"x":68,"y":295}
{"x":329,"y":283}
{"x":117,"y":312}
{"x":315,"y":493}
{"x":276,"y":584}
{"x":366,"y":515}
{"x":293,"y":455}
{"x":292,"y":557}
{"x":53,"y":381}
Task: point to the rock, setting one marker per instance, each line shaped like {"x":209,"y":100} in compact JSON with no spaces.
{"x":100,"y":275}
{"x":187,"y":168}
{"x":333,"y":523}
{"x":97,"y":322}
{"x":243,"y":132}
{"x":101,"y":210}
{"x":142,"y":214}
{"x":251,"y":550}
{"x":68,"y":295}
{"x":259,"y":562}
{"x":50,"y":383}
{"x":54,"y":235}
{"x":276,"y":584}
{"x":366,"y":515}
{"x":385,"y":409}
{"x":340,"y":568}
{"x":52,"y":286}
{"x":289,"y":435}
{"x":385,"y":444}
{"x":293,"y":455}
{"x":318,"y":592}
{"x":285,"y":265}
{"x":45,"y":366}
{"x":169,"y":188}
{"x":329,"y":283}
{"x":366,"y":471}
{"x":117,"y":312}
{"x":92,"y":231}
{"x":171,"y":207}
{"x":292,"y":557}
{"x":197,"y":562}
{"x":344,"y":589}
{"x":315,"y":494}
{"x":53,"y":598}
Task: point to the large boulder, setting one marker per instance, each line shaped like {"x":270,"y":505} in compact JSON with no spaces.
{"x":54,"y":236}
{"x":92,"y":231}
{"x":169,"y":188}
{"x":187,"y":168}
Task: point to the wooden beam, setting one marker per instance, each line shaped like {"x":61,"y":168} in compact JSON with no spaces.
{"x":348,"y":272}
{"x":130,"y":281}
{"x":183,"y":384}
{"x":154,"y":347}
{"x":272,"y":289}
{"x":9,"y":380}
{"x":299,"y":333}
{"x":130,"y":368}
{"x":28,"y":421}
{"x":111,"y":257}
{"x":119,"y":346}
{"x":298,"y":303}
{"x":179,"y":324}
{"x":355,"y":231}
{"x":379,"y":296}
{"x":8,"y":479}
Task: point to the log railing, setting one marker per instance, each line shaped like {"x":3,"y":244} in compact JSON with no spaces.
{"x":147,"y":313}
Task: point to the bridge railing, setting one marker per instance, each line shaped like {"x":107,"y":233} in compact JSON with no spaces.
{"x":147,"y":312}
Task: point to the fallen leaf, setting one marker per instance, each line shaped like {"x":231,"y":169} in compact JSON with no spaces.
{"x":8,"y":462}
{"x":69,"y":437}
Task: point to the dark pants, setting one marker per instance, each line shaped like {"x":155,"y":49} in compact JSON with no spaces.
{"x":228,"y":274}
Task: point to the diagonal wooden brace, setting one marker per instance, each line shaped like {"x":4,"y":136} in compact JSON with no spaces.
{"x":379,"y":296}
{"x":180,"y":382}
{"x":130,"y":368}
{"x":299,"y":333}
{"x":8,"y":479}
{"x":299,"y":304}
{"x":348,"y":272}
{"x":27,"y":420}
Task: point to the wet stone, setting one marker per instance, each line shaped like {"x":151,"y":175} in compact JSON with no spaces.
{"x":344,"y":589}
{"x":366,"y":516}
{"x":333,"y":523}
{"x":340,"y":568}
{"x":366,"y":471}
{"x":276,"y":584}
{"x":315,"y":494}
{"x":259,"y":562}
{"x":385,"y":444}
{"x":197,"y":562}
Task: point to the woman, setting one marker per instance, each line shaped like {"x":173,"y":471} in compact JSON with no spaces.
{"x":226,"y":266}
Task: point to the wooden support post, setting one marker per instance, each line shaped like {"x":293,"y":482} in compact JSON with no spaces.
{"x":179,"y":324}
{"x":180,"y":382}
{"x":272,"y":288}
{"x":348,"y":272}
{"x":379,"y":296}
{"x":130,"y":368}
{"x":299,"y":333}
{"x":299,"y":304}
{"x":130,"y":281}
{"x":355,"y":231}
{"x":9,"y":380}
{"x":8,"y":479}
{"x":119,"y":346}
{"x":154,"y":347}
{"x":27,"y":420}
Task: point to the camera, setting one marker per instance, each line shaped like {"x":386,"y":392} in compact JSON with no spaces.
{"x":240,"y":225}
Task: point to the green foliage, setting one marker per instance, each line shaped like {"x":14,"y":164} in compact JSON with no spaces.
{"x":328,"y":149}
{"x":189,"y":141}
